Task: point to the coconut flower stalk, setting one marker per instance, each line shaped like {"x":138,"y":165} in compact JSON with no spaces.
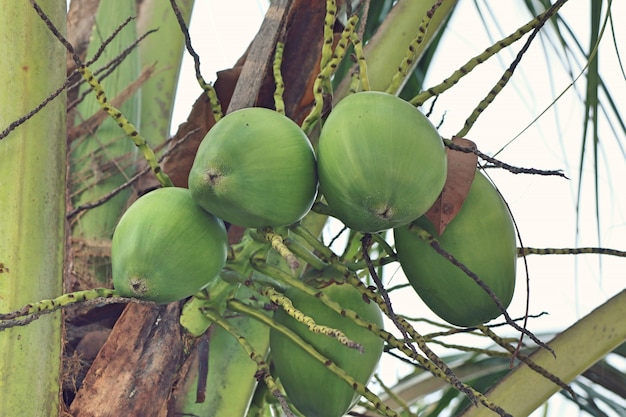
{"x":32,"y":203}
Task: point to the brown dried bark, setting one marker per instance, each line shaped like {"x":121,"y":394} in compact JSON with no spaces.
{"x":134,"y":371}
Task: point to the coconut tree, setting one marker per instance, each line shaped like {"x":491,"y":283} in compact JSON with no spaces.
{"x":137,"y":358}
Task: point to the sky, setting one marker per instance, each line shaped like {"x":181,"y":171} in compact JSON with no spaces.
{"x":567,"y":287}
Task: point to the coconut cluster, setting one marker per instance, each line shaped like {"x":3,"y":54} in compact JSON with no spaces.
{"x":379,"y":164}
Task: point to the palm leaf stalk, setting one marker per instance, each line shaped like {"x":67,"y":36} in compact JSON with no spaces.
{"x":164,"y":49}
{"x":577,"y":348}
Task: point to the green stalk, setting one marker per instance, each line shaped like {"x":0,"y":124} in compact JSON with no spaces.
{"x":164,"y":49}
{"x":385,"y":51}
{"x":103,"y":160}
{"x":577,"y":348}
{"x":32,"y":189}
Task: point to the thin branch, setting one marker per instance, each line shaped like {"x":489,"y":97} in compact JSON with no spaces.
{"x":500,"y":164}
{"x":570,"y":251}
{"x":490,"y":97}
{"x":367,"y":238}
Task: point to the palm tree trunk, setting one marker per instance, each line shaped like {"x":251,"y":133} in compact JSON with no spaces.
{"x":32,"y":203}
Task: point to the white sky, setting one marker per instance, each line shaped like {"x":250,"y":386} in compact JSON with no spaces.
{"x":567,"y":287}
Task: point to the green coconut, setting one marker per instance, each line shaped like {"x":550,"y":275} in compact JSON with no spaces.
{"x":166,"y":248}
{"x":313,"y":389}
{"x":381,"y":163}
{"x":482,"y":237}
{"x":255,"y":168}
